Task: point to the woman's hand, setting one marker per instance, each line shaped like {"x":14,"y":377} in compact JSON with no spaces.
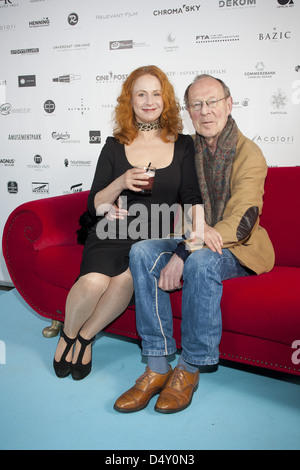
{"x":116,"y":211}
{"x":105,"y":199}
{"x":133,"y":178}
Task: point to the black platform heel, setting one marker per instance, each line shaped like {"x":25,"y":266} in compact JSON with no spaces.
{"x":79,"y":370}
{"x":63,"y":368}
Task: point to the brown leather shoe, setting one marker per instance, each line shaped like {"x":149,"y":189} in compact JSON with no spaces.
{"x":178,"y":391}
{"x":138,"y":397}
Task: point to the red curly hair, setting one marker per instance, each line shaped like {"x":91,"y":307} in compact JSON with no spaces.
{"x":125,"y":130}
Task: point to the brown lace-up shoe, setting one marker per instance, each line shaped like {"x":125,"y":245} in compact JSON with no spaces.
{"x":178,"y":391}
{"x":138,"y":397}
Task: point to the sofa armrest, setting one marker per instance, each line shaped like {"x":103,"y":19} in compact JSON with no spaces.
{"x":36,"y":225}
{"x":46,"y":222}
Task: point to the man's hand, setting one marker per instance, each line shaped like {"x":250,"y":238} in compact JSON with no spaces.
{"x":213,"y":239}
{"x":171,"y":274}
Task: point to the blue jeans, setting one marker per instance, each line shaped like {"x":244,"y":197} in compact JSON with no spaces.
{"x":201,"y":326}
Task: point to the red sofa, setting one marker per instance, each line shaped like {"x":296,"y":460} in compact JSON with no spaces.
{"x":261,"y":314}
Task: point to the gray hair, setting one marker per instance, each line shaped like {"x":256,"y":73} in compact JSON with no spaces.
{"x":200,"y":77}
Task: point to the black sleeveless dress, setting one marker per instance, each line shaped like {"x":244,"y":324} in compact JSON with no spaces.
{"x":108,"y":243}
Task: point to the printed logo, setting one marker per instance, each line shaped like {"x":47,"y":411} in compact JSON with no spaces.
{"x":67,"y":78}
{"x":260,"y":72}
{"x":7,"y":162}
{"x":7,"y":27}
{"x":75,"y":188}
{"x":5,"y":109}
{"x":178,"y":11}
{"x":41,"y":188}
{"x":279,"y":100}
{"x":112,"y":16}
{"x":12,"y":187}
{"x":73,"y":19}
{"x":111,"y":77}
{"x":236,"y":3}
{"x":95,"y":137}
{"x":216,"y":38}
{"x":49,"y":106}
{"x":285,"y":3}
{"x":39,"y":23}
{"x":273,"y":139}
{"x":26,"y":80}
{"x":114,"y":45}
{"x":25,"y":137}
{"x":275,"y":35}
{"x":38,"y":164}
{"x":25,"y":51}
{"x":81,"y":163}
{"x":82,"y":108}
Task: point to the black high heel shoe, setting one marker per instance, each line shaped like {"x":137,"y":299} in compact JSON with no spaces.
{"x":79,"y":370}
{"x":63,"y":368}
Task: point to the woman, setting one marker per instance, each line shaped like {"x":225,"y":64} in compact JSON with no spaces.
{"x":147,"y":130}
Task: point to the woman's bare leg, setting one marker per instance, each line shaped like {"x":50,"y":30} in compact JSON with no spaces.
{"x":93,"y":302}
{"x":111,"y":304}
{"x":81,"y":303}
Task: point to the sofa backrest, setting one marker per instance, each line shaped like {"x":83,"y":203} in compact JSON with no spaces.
{"x":281,"y":214}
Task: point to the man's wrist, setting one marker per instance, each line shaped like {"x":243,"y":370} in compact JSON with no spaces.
{"x":181,"y":251}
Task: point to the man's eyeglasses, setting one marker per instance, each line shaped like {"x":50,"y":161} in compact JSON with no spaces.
{"x":210,"y":103}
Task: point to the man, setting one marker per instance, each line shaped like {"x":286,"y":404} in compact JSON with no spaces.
{"x":231,"y":172}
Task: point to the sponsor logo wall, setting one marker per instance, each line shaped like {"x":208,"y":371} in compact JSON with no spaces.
{"x":63,"y":64}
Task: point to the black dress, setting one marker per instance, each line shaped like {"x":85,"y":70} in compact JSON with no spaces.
{"x":108,"y":243}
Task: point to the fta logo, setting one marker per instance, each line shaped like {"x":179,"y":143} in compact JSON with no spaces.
{"x":296,"y":355}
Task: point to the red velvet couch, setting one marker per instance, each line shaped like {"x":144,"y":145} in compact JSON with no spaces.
{"x":261,"y":314}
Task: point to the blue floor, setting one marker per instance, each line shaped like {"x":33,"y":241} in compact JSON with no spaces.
{"x":233,"y":408}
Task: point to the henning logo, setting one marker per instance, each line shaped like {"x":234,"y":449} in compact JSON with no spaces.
{"x":2,"y":353}
{"x":296,"y":355}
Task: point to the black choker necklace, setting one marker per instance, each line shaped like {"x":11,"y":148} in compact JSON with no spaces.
{"x":150,"y":126}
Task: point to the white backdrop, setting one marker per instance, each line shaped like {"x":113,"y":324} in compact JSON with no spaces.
{"x":63,"y":63}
